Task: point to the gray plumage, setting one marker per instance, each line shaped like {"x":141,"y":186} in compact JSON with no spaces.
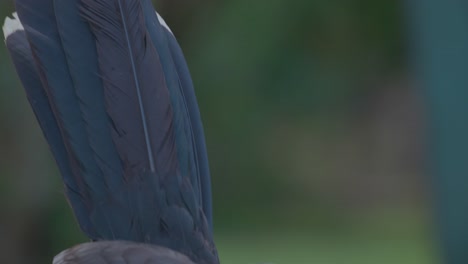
{"x":119,"y":252}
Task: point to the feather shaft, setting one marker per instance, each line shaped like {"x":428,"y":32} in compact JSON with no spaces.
{"x":137,"y":84}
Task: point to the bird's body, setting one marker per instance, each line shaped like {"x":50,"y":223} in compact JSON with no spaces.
{"x":124,"y":252}
{"x":112,"y":93}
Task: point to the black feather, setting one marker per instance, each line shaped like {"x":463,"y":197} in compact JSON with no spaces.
{"x":76,"y":37}
{"x":133,"y":155}
{"x":188,"y":94}
{"x":152,"y":137}
{"x":187,"y":123}
{"x":40,"y":26}
{"x":22,"y":58}
{"x":137,"y":99}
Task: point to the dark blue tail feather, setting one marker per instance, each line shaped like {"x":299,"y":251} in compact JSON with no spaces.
{"x":183,"y":97}
{"x":188,"y":94}
{"x":81,"y":94}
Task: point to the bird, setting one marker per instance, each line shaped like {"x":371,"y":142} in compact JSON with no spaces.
{"x":112,"y":93}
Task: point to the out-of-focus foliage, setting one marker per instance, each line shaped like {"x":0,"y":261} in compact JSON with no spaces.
{"x":313,"y":131}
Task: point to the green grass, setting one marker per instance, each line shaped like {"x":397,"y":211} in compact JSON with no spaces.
{"x":309,"y":249}
{"x":388,"y":237}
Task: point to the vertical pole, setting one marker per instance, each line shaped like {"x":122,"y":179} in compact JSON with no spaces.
{"x":438,"y":33}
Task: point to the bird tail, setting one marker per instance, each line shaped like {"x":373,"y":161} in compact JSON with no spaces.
{"x":111,"y":91}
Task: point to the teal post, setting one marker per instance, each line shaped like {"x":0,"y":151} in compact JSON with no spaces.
{"x":438,"y":33}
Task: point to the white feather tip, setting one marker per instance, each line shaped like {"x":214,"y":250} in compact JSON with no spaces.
{"x":163,"y":23}
{"x":11,"y":25}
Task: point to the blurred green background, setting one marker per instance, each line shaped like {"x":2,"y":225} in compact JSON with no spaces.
{"x":315,"y":133}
